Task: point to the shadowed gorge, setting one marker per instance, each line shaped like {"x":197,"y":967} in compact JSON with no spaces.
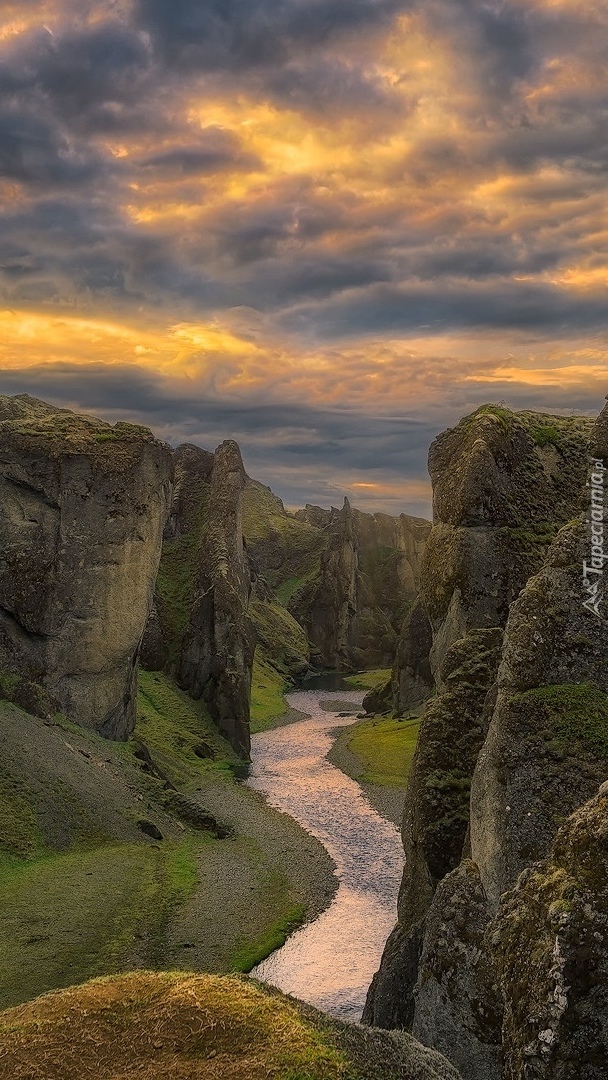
{"x":130,"y":848}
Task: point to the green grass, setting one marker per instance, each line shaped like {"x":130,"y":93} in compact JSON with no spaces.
{"x":19,"y":832}
{"x":280,"y":638}
{"x":503,"y":415}
{"x":386,"y":749}
{"x":172,"y":726}
{"x":369,"y":680}
{"x":177,"y":574}
{"x":170,"y":1024}
{"x":546,"y":435}
{"x":296,"y":545}
{"x":572,"y":712}
{"x":267,"y":694}
{"x":288,"y":589}
{"x":67,"y":917}
{"x":253,"y":952}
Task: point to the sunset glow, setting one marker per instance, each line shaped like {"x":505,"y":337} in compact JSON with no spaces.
{"x":299,"y":223}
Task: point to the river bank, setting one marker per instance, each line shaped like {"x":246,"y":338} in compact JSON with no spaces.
{"x":330,"y":962}
{"x":253,"y":889}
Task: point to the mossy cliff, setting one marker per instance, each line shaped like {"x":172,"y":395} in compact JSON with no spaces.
{"x":551,"y":953}
{"x":540,"y":749}
{"x":216,"y":659}
{"x":500,"y":493}
{"x":218,"y":508}
{"x":354,"y":606}
{"x":83,"y":508}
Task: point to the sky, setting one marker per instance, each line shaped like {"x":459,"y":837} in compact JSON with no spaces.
{"x":326,"y":228}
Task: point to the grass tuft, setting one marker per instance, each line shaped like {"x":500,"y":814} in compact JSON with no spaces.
{"x":167,"y":1025}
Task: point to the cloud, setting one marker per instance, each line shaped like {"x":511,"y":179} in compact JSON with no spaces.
{"x":334,"y":209}
{"x":304,"y":439}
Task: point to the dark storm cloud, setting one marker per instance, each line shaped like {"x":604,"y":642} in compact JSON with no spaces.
{"x":35,"y":152}
{"x":215,"y":150}
{"x":320,"y":83}
{"x":72,"y":250}
{"x":302,"y":438}
{"x":91,"y":78}
{"x":507,"y":305}
{"x":240,"y":34}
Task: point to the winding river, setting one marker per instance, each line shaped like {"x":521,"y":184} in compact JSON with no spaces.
{"x":330,"y":962}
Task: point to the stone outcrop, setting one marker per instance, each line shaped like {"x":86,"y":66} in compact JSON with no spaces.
{"x":503,"y":484}
{"x":436,"y":813}
{"x":551,"y":950}
{"x":354,"y":606}
{"x":181,"y":558}
{"x":543,"y":755}
{"x":217,"y":651}
{"x":83,"y":509}
{"x":458,"y":1004}
{"x":330,"y":611}
{"x":538,"y":751}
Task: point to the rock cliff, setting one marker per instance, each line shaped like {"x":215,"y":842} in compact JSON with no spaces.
{"x":354,"y":606}
{"x":551,"y":942}
{"x":216,"y":658}
{"x":83,"y":509}
{"x":536,"y":753}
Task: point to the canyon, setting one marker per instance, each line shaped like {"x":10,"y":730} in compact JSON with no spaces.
{"x":155,"y":606}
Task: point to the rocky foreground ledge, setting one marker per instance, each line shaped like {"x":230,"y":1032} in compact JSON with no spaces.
{"x":188,"y":1027}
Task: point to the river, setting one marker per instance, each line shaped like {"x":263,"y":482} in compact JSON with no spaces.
{"x":330,"y":962}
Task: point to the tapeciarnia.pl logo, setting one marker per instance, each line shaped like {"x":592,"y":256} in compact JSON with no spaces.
{"x":593,"y":571}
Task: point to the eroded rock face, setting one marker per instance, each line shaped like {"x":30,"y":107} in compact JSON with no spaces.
{"x":543,"y":755}
{"x":217,"y":652}
{"x":412,"y":680}
{"x":370,"y":571}
{"x":436,"y":811}
{"x":551,"y":944}
{"x":500,"y":493}
{"x":83,"y":509}
{"x":458,"y":1004}
{"x":502,"y":486}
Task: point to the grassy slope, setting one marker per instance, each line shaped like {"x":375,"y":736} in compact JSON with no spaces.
{"x":169,"y":1025}
{"x":369,"y":680}
{"x":385,"y":748}
{"x":67,"y":917}
{"x":193,"y":1027}
{"x":268,"y":688}
{"x":83,"y":891}
{"x":295,"y":546}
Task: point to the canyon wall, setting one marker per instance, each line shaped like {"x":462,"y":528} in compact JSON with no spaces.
{"x":504,"y":755}
{"x":83,"y":509}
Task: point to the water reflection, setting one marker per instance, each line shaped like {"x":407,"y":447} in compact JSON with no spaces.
{"x":330,"y":962}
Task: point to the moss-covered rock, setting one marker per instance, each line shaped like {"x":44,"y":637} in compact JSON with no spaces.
{"x":459,"y":1006}
{"x":545,"y":752}
{"x":499,"y":499}
{"x":218,"y":645}
{"x":550,"y":941}
{"x":83,"y":508}
{"x":436,"y":812}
